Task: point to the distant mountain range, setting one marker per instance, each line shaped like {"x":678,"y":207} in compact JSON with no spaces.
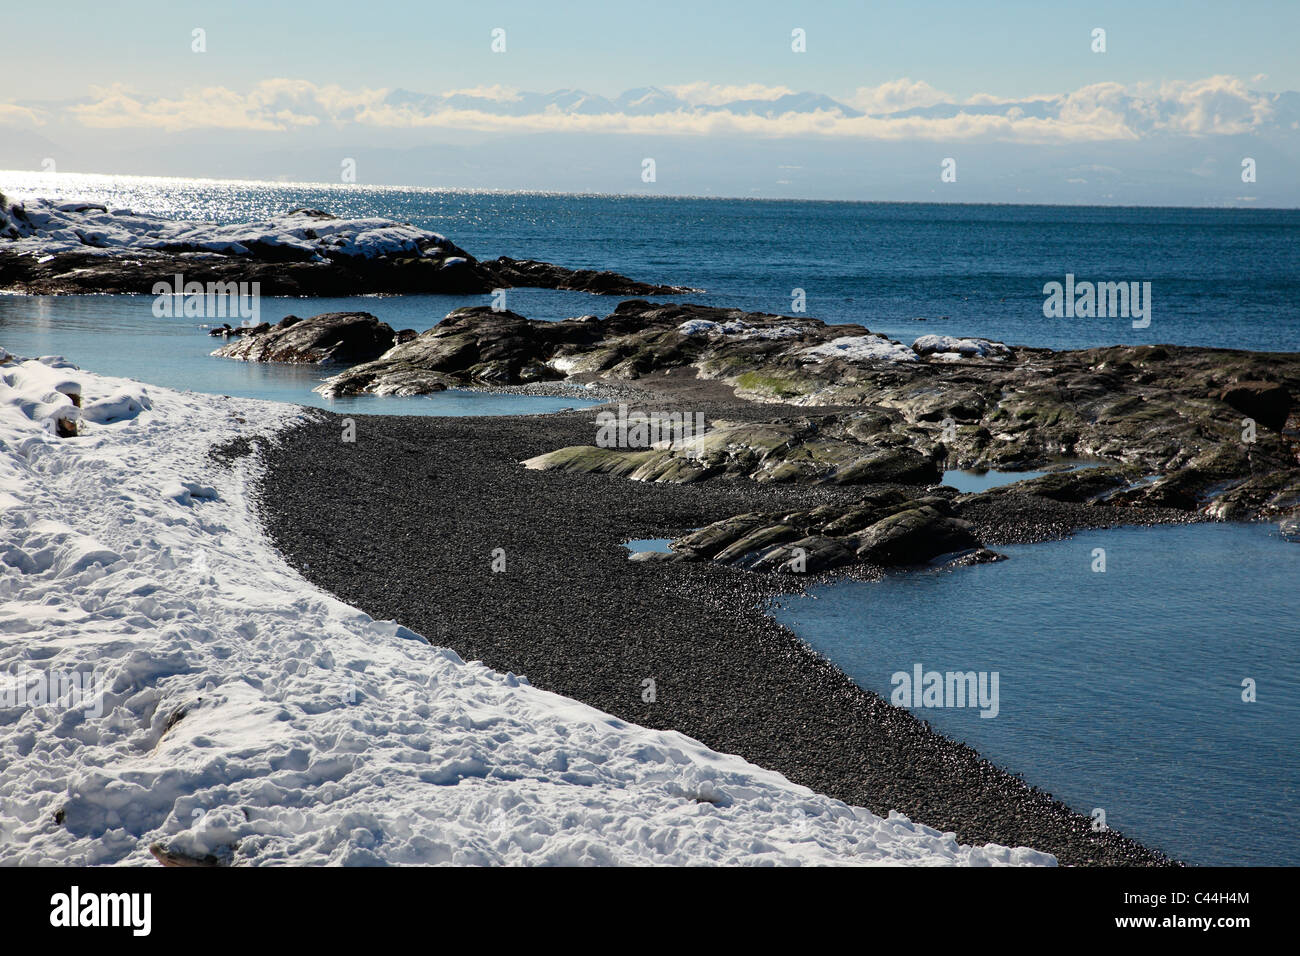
{"x":643,"y":101}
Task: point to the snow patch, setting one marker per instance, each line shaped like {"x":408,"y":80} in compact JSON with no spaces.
{"x":947,"y":348}
{"x":738,"y":329}
{"x":860,"y":348}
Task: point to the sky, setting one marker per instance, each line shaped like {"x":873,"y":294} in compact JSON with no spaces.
{"x":289,"y":90}
{"x":1007,"y":49}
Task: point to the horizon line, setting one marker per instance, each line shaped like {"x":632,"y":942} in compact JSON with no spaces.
{"x":486,"y":190}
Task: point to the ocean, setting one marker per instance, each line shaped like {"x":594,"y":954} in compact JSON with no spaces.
{"x":1119,"y":691}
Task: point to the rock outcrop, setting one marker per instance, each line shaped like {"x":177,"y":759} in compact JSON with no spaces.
{"x":885,"y":528}
{"x":1210,"y":433}
{"x":485,"y":347}
{"x":330,"y":338}
{"x":48,"y":248}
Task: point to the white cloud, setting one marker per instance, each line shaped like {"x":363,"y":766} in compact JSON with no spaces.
{"x":715,"y":94}
{"x":14,"y":115}
{"x":1100,"y":111}
{"x":896,"y":95}
{"x":276,"y":104}
{"x":1219,"y":105}
{"x":502,"y":94}
{"x":988,"y":99}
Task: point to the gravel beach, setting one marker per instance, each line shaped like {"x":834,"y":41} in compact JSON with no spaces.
{"x":403,"y":524}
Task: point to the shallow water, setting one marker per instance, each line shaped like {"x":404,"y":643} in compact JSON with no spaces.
{"x":969,"y":482}
{"x":1120,"y":690}
{"x":649,"y":544}
{"x":119,"y":335}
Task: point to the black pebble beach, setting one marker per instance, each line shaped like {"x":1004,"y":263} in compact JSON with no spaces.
{"x":403,"y":524}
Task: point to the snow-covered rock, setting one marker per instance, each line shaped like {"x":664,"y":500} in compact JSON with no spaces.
{"x":948,"y":348}
{"x":738,"y":329}
{"x":200,"y":696}
{"x":48,"y":227}
{"x":860,"y":348}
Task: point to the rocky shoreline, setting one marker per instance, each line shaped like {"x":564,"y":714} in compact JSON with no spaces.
{"x":76,"y":248}
{"x":1207,"y":433}
{"x":405,"y":522}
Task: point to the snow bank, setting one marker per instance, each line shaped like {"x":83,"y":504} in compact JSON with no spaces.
{"x":227,"y":708}
{"x":46,"y":227}
{"x":949,"y":349}
{"x":860,"y":348}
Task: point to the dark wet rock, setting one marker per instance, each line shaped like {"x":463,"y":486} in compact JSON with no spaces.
{"x":807,"y":555}
{"x":447,"y":271}
{"x":805,"y":449}
{"x":477,"y":346}
{"x":1085,"y":484}
{"x":885,"y":528}
{"x":914,"y":536}
{"x":329,"y":338}
{"x":968,"y":559}
{"x":228,"y":331}
{"x":1266,"y":402}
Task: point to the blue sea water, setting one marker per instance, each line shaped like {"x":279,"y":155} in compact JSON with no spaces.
{"x":1119,"y":691}
{"x":1220,"y":277}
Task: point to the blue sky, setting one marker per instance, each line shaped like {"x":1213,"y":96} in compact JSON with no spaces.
{"x":1008,"y":49}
